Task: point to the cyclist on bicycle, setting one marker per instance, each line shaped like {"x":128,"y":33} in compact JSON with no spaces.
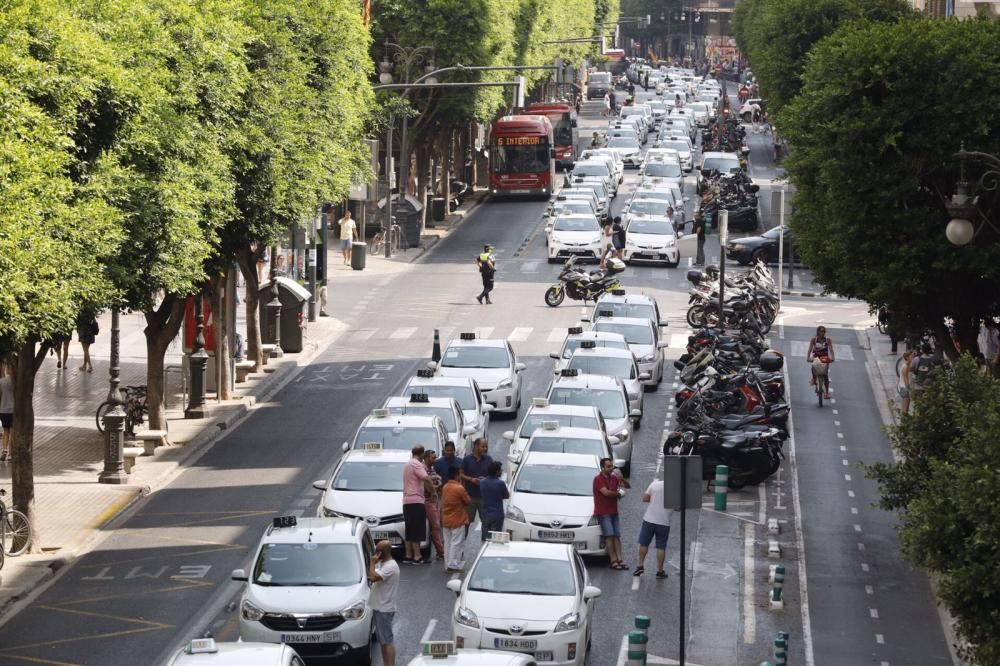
{"x":821,"y":347}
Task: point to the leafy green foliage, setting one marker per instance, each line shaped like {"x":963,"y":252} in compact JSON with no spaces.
{"x":540,"y":21}
{"x":945,"y":487}
{"x":874,"y":132}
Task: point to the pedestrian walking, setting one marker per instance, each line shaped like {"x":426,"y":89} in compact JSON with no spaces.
{"x":494,"y":491}
{"x":383,"y":574}
{"x":608,"y":487}
{"x":672,"y":216}
{"x":262,"y":261}
{"x":431,"y":505}
{"x":455,"y":501}
{"x":655,"y":523}
{"x":59,"y":345}
{"x":475,"y":468}
{"x":607,"y":105}
{"x":279,"y":266}
{"x":698,"y":228}
{"x":487,"y":264}
{"x":6,"y":407}
{"x":989,"y":345}
{"x":607,"y":241}
{"x":921,"y":366}
{"x":415,"y":481}
{"x":87,"y":330}
{"x":348,"y":234}
{"x":904,"y":384}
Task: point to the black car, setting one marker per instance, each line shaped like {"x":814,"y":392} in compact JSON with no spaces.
{"x":750,"y":249}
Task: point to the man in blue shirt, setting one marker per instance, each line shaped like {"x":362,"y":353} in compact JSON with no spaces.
{"x":447,"y":460}
{"x":475,"y":468}
{"x":493,"y":491}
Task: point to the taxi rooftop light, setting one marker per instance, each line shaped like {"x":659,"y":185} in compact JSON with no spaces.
{"x":380,"y":413}
{"x":550,"y":425}
{"x":569,"y":372}
{"x":373,"y":446}
{"x":468,"y":336}
{"x":285,"y":521}
{"x":575,"y":330}
{"x":588,"y":344}
{"x":618,"y":292}
{"x":438,"y":649}
{"x":419,"y":397}
{"x":539,"y":402}
{"x":425,"y":373}
{"x":202,"y":646}
{"x":605,"y":313}
{"x":499,"y":537}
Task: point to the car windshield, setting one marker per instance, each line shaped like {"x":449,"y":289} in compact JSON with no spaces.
{"x":444,"y":413}
{"x":663,"y":169}
{"x":533,"y":422}
{"x":597,"y":187}
{"x":609,"y":402}
{"x":623,"y":142}
{"x":613,"y":366}
{"x":555,"y":480}
{"x":721,"y":164}
{"x":572,"y":208}
{"x":634,"y":333}
{"x":523,"y":575}
{"x":600,"y":77}
{"x":463,"y":394}
{"x":632,"y":310}
{"x":572,"y":344}
{"x":369,"y":475}
{"x":575,"y":224}
{"x":632,"y":111}
{"x":648,"y":206}
{"x":591,"y":170}
{"x":654,"y":227}
{"x":396,"y":438}
{"x":475,"y":357}
{"x":308,"y":565}
{"x":555,"y":444}
{"x":679,"y":146}
{"x":772,"y":233}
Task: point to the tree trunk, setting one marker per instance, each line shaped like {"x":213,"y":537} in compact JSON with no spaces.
{"x":446,"y":170}
{"x":162,"y":325}
{"x":23,"y":437}
{"x":220,"y":318}
{"x":247,"y":259}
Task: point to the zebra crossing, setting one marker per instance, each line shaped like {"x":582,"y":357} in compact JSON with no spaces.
{"x":514,"y":334}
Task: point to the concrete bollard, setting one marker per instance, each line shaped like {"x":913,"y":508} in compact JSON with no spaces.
{"x":636,"y":648}
{"x":780,"y":652}
{"x":775,"y":601}
{"x":436,"y":350}
{"x":642,"y":624}
{"x":721,"y":486}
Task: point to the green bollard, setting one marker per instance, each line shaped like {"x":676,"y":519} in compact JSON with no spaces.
{"x":636,"y":648}
{"x":780,"y":652}
{"x":779,"y":582}
{"x":721,"y":486}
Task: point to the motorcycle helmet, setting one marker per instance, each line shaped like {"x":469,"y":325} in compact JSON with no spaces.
{"x":615,"y":266}
{"x":694,"y":276}
{"x":771,"y":361}
{"x":712,"y":271}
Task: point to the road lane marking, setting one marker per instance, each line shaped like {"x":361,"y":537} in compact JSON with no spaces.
{"x":429,"y":630}
{"x":857,"y":528}
{"x":850,"y":493}
{"x":854,"y":510}
{"x":678,"y":340}
{"x":363,"y":334}
{"x":840,"y":435}
{"x":880,"y":639}
{"x":635,"y":582}
{"x":865,"y":567}
{"x":861,"y":547}
{"x":520,"y":334}
{"x":869,"y":589}
{"x":483,"y":332}
{"x":403,"y":333}
{"x":873,"y":612}
{"x":847,"y":477}
{"x":843,"y":448}
{"x":749,"y":607}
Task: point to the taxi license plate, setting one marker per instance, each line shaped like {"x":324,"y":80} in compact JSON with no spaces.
{"x":555,"y":535}
{"x":319,"y":637}
{"x":515,"y":643}
{"x":380,"y":535}
{"x":519,"y":191}
{"x":580,"y":545}
{"x":544,"y":656}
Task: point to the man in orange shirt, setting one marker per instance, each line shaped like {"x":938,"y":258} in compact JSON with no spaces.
{"x":454,"y":517}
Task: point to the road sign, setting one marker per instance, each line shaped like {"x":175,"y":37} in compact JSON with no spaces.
{"x":682,"y":482}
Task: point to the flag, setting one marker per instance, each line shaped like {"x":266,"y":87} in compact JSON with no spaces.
{"x":366,"y":12}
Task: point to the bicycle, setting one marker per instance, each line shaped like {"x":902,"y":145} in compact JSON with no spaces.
{"x":395,"y":240}
{"x":15,"y":530}
{"x":821,"y":377}
{"x":134,"y":404}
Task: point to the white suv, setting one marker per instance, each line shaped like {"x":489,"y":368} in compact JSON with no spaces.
{"x":307,"y":586}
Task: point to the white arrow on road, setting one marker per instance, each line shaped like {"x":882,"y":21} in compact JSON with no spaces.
{"x":726,"y":572}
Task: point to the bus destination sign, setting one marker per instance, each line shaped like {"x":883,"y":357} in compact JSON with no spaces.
{"x":520,"y":140}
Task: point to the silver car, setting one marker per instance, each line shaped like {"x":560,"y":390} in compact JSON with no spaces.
{"x":643,"y":338}
{"x":588,"y":360}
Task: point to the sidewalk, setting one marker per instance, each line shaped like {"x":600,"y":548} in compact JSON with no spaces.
{"x":71,"y":506}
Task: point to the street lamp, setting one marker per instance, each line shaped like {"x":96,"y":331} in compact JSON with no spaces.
{"x":963,"y":206}
{"x":114,"y":419}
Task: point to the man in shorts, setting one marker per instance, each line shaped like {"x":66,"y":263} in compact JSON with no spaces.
{"x":416,"y":481}
{"x":655,"y":522}
{"x":383,"y":574}
{"x":348,"y":234}
{"x":608,"y":485}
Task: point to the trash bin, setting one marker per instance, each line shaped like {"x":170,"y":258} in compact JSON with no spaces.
{"x":293,"y":297}
{"x":438,"y":209}
{"x":406,"y":212}
{"x":359,"y":251}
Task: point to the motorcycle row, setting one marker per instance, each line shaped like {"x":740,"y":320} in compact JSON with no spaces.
{"x":731,"y":408}
{"x":736,"y":194}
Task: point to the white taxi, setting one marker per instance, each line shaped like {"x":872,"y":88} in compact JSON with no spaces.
{"x":622,"y":304}
{"x":540,"y":412}
{"x":208,"y":652}
{"x":307,"y":586}
{"x":444,"y":653}
{"x":620,"y":363}
{"x":553,"y":437}
{"x":651,"y":238}
{"x":526,"y":597}
{"x":643,"y":337}
{"x":570,"y":234}
{"x":446,"y":409}
{"x":475,"y":411}
{"x":492,"y":363}
{"x":576,"y":337}
{"x":399,"y":432}
{"x":552,"y":499}
{"x":368,"y":485}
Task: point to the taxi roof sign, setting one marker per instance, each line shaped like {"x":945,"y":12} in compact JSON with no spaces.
{"x":569,"y":372}
{"x":539,"y":402}
{"x":498,"y":537}
{"x":605,"y":313}
{"x":380,"y":413}
{"x":425,"y":373}
{"x":285,"y":521}
{"x":468,"y":336}
{"x":618,"y":292}
{"x":419,"y":397}
{"x":373,"y":446}
{"x":202,"y":646}
{"x":550,"y":425}
{"x":438,"y":649}
{"x":575,"y":330}
{"x":588,"y":344}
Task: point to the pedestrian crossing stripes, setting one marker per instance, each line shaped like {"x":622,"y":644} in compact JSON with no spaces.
{"x":519,"y":334}
{"x":402,"y":333}
{"x":363,"y":334}
{"x":529,"y":267}
{"x":678,"y":340}
{"x":557,"y":335}
{"x":483,"y":331}
{"x":840,"y":352}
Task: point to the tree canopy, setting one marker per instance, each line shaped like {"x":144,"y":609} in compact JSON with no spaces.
{"x":875,"y":129}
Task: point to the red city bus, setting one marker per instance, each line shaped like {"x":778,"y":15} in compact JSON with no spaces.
{"x":521,"y":156}
{"x":564,"y":132}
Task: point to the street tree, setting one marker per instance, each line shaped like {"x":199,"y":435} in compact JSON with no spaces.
{"x":944,"y":488}
{"x":874,"y":139}
{"x":59,"y":82}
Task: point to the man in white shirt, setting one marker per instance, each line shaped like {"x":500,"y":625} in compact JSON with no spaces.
{"x":383,"y":574}
{"x":655,"y":522}
{"x":348,"y":234}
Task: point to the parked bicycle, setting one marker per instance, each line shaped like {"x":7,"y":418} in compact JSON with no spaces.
{"x":134,"y":404}
{"x":395,"y":240}
{"x":15,"y":530}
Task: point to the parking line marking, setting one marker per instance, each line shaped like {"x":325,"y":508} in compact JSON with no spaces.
{"x":869,"y":589}
{"x":880,"y":639}
{"x":847,"y":477}
{"x":873,"y":612}
{"x":749,"y":607}
{"x":854,"y":510}
{"x":857,"y":528}
{"x":520,"y":334}
{"x":864,"y":567}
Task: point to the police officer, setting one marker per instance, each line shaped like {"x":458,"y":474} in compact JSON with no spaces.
{"x":487,"y":264}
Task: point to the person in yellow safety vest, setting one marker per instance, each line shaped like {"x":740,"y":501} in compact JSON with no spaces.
{"x":487,"y":264}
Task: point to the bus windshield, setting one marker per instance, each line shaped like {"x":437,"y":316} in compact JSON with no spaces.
{"x":562,"y":129}
{"x":519,"y":159}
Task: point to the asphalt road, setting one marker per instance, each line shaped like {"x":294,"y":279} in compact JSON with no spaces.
{"x":162,"y":574}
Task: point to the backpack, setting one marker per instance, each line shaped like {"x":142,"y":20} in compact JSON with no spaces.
{"x":923,"y":368}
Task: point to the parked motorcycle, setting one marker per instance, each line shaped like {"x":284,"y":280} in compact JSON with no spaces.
{"x":580,"y":285}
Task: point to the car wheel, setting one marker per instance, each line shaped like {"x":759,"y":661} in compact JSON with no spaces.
{"x":760,"y":254}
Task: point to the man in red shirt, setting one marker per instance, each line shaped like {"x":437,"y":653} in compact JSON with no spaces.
{"x":608,"y":486}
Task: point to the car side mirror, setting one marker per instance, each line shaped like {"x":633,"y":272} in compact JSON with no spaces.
{"x":508,"y":435}
{"x":645,"y":376}
{"x":468,"y":430}
{"x":635,"y":413}
{"x":554,"y":355}
{"x":663,"y":323}
{"x":519,"y":367}
{"x":345,"y":447}
{"x":319,"y":484}
{"x":613,"y":440}
{"x":591,"y":592}
{"x":239,"y":574}
{"x":455,"y":585}
{"x":431,"y":365}
{"x":619,"y":463}
{"x":487,"y":408}
{"x":514,"y":458}
{"x":662,"y":344}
